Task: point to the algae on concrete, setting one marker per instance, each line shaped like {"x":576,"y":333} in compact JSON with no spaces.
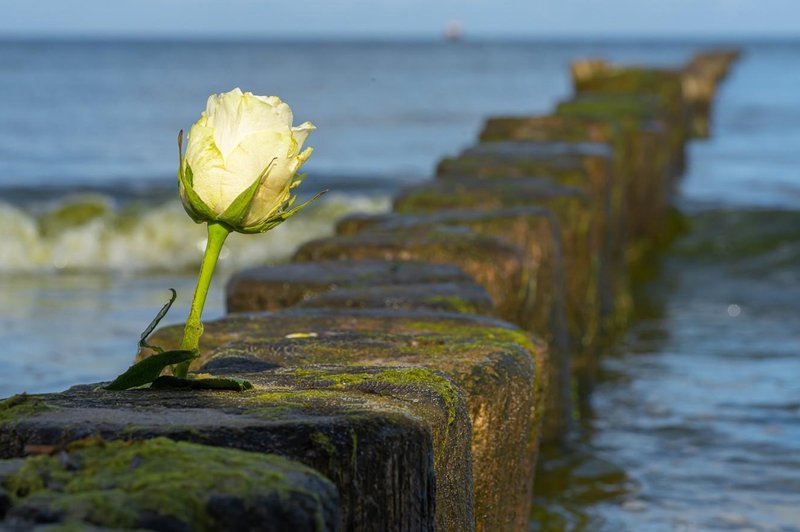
{"x":284,"y":285}
{"x":162,"y":484}
{"x":406,"y":425}
{"x":494,"y":263}
{"x":502,"y":369}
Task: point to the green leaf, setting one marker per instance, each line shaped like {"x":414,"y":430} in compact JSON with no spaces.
{"x":153,"y":324}
{"x":197,"y":209}
{"x":238,"y":209}
{"x":168,"y":382}
{"x":148,"y":370}
{"x":282,"y":216}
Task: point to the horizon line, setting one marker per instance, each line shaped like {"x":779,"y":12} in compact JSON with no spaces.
{"x":754,"y":37}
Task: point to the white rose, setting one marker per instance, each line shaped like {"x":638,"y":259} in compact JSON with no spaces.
{"x":241,"y":162}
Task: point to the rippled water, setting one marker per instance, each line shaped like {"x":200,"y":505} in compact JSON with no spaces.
{"x":695,"y":424}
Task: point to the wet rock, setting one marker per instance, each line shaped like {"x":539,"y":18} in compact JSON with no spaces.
{"x":391,"y":440}
{"x":501,"y":369}
{"x":494,"y":263}
{"x":160,"y":484}
{"x":284,"y":285}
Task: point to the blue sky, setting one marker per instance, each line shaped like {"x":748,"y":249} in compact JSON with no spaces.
{"x":312,"y":18}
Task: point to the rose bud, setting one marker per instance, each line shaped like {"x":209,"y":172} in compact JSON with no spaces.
{"x":241,"y":162}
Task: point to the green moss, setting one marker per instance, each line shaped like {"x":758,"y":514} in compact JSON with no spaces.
{"x":479,"y":337}
{"x":609,"y":107}
{"x":354,"y":446}
{"x":278,"y":404}
{"x":113,"y":484}
{"x":457,"y":304}
{"x":419,"y":377}
{"x":323,"y":441}
{"x":20,"y":406}
{"x":293,"y":396}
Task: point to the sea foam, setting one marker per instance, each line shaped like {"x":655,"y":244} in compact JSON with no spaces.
{"x":89,"y":233}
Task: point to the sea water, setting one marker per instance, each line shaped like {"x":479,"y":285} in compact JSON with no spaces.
{"x":696,"y":417}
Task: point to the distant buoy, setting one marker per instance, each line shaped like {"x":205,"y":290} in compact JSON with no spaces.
{"x":454,"y":30}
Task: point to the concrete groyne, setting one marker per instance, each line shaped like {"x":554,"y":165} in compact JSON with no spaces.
{"x":406,"y":369}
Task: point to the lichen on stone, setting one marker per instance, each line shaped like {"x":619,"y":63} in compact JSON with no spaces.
{"x":118,"y":484}
{"x":21,"y":406}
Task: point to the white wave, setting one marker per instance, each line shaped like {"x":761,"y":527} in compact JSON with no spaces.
{"x":88,"y":234}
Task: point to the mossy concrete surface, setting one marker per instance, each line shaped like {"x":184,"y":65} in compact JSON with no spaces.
{"x":646,"y":108}
{"x":583,"y":232}
{"x":285,"y":285}
{"x":536,"y":231}
{"x":465,"y":296}
{"x":663,"y":84}
{"x":635,"y":146}
{"x":699,"y":79}
{"x":160,"y":484}
{"x":546,"y":128}
{"x":579,"y":238}
{"x":501,"y":369}
{"x":586,"y":165}
{"x":494,"y":263}
{"x":320,"y":416}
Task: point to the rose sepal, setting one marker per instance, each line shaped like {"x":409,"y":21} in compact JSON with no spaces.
{"x":194,"y":207}
{"x":281,"y":216}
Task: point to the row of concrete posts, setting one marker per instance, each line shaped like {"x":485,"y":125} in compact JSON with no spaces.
{"x":407,"y":369}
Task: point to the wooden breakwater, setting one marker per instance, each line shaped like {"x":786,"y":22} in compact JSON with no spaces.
{"x":407,"y":368}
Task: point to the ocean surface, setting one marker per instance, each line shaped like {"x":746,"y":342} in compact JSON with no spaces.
{"x":696,"y":421}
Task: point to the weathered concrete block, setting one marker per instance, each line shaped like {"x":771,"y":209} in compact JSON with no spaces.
{"x":664,"y":84}
{"x":580,"y":239}
{"x":501,"y":369}
{"x":699,"y":80}
{"x":535,"y":230}
{"x":160,"y":484}
{"x":644,"y":109}
{"x":391,"y":440}
{"x":466,"y":296}
{"x":547,"y":128}
{"x":643,"y":156}
{"x":635,"y":145}
{"x":715,"y":63}
{"x":537,"y":233}
{"x":494,"y":263}
{"x":699,"y":90}
{"x":357,"y":284}
{"x":586,"y":166}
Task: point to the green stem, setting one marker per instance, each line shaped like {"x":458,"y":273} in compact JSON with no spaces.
{"x":217,"y":233}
